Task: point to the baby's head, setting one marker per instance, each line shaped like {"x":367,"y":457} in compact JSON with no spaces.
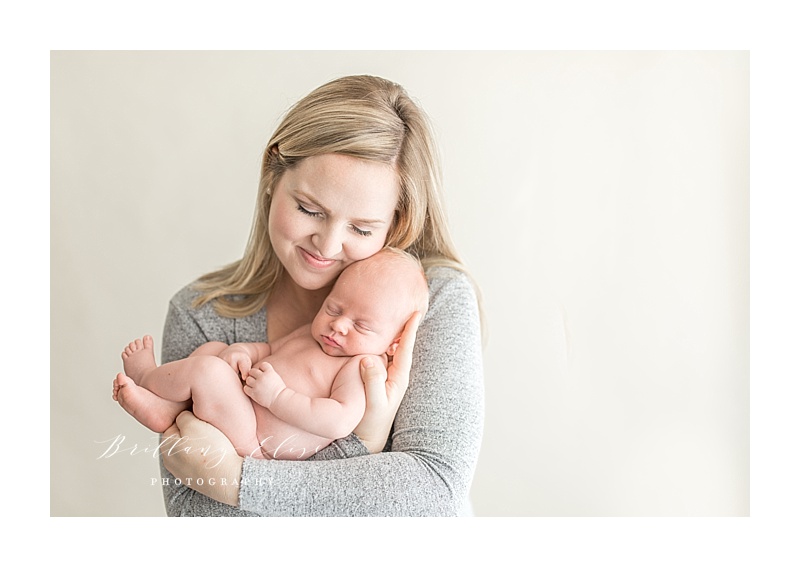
{"x":370,"y":303}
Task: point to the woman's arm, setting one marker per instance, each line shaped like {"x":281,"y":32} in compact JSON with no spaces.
{"x":385,"y":388}
{"x":436,"y":438}
{"x":434,"y":447}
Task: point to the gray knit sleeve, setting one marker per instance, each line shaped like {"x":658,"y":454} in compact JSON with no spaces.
{"x":428,"y":469}
{"x":187,"y":327}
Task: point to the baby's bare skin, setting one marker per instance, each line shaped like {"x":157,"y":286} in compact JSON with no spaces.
{"x":154,"y":412}
{"x":155,"y":395}
{"x":302,"y":365}
{"x":139,"y":358}
{"x":289,"y":398}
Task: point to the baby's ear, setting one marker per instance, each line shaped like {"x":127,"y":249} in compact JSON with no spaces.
{"x":393,"y":347}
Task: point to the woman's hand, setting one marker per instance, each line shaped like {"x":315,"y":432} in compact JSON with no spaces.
{"x":202,"y":458}
{"x":385,"y":388}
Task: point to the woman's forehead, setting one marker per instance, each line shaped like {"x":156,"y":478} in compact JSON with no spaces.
{"x":338,"y":181}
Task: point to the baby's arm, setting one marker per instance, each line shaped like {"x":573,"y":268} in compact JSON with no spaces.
{"x":333,"y":418}
{"x":242,"y":356}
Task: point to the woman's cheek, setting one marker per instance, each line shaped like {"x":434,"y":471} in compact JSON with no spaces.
{"x":370,"y":245}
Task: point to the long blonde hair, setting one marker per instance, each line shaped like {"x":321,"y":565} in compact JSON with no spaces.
{"x":361,"y":116}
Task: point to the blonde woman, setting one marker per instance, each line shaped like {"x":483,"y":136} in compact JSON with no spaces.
{"x":351,"y":168}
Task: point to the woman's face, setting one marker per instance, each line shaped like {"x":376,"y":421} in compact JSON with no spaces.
{"x":328,"y":212}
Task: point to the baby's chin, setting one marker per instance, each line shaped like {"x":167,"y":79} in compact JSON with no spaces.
{"x":332,"y":350}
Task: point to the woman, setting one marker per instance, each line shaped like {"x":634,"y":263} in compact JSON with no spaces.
{"x":351,"y":168}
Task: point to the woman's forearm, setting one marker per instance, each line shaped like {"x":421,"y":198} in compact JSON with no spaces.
{"x":434,"y":445}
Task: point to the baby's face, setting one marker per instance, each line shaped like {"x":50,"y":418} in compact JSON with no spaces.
{"x":359,"y":318}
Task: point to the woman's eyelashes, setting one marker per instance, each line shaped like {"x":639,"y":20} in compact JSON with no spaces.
{"x":360,"y":231}
{"x":317,"y":215}
{"x":305,"y":211}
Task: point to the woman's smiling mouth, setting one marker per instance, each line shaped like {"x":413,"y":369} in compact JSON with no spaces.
{"x":315,"y":261}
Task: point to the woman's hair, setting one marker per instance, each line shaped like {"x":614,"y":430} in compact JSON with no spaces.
{"x":361,"y":116}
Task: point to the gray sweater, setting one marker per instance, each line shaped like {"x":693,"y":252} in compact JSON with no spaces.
{"x":427,"y":466}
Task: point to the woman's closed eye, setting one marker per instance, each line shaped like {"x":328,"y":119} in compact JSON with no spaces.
{"x":316,"y":214}
{"x":308,"y":212}
{"x":360,"y":231}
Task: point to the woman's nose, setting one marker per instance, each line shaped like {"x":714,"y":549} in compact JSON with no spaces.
{"x":328,"y":242}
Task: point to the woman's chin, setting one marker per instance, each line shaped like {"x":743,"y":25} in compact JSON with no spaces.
{"x":312,"y":280}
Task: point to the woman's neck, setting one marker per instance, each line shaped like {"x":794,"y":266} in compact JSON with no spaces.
{"x":290,"y":306}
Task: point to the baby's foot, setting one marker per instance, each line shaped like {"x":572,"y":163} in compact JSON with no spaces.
{"x":155,"y":413}
{"x":138,"y":358}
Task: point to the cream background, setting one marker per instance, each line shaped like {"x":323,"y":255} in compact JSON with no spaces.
{"x":600,"y":198}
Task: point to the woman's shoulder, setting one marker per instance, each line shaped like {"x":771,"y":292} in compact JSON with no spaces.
{"x":452,"y":292}
{"x":444,"y":279}
{"x":186,"y":314}
{"x":452,"y":325}
{"x":183,"y":308}
{"x":185,"y":301}
{"x":185,"y":297}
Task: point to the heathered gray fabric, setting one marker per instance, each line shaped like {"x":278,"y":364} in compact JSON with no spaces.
{"x":427,"y":467}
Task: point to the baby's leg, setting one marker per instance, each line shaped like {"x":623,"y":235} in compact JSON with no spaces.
{"x":212,"y":348}
{"x":216,"y":393}
{"x":138,"y":358}
{"x":155,"y":413}
{"x":221,"y":401}
{"x":177,"y":380}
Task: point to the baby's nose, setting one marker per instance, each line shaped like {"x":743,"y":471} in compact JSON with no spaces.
{"x":339,"y":326}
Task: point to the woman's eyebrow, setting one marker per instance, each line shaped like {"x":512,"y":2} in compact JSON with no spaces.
{"x":305,"y":196}
{"x":369,"y":222}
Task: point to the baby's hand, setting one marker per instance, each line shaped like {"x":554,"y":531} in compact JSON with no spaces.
{"x":263,"y":384}
{"x":238,"y":359}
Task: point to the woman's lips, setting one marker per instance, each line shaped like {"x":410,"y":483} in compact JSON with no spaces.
{"x":315,"y":261}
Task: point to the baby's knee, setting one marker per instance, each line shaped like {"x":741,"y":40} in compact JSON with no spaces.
{"x":202,"y":366}
{"x":212,"y":348}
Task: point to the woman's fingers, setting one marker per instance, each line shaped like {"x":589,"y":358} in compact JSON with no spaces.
{"x":374,"y":377}
{"x":385,"y":389}
{"x":171,"y":432}
{"x":184,"y":419}
{"x":373,"y":430}
{"x":197,"y":450}
{"x":401,"y":362}
{"x":201,"y":432}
